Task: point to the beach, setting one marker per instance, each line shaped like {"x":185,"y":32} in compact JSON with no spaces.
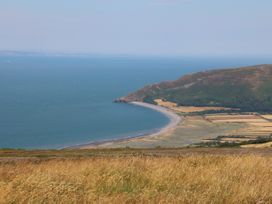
{"x":174,"y":120}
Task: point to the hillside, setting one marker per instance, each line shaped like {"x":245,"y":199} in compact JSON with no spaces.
{"x":188,"y":175}
{"x":246,"y":88}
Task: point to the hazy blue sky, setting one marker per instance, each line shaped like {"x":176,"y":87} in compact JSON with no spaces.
{"x":153,"y":27}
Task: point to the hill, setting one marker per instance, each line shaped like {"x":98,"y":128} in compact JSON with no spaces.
{"x":246,"y":88}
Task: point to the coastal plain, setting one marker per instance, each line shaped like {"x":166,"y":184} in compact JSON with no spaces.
{"x":198,"y":127}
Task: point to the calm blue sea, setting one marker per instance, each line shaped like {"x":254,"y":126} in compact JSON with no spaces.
{"x":54,"y":102}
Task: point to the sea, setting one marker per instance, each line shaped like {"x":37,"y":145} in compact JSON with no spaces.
{"x":52,"y":102}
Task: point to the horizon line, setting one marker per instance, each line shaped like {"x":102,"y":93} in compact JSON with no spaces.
{"x":86,"y":54}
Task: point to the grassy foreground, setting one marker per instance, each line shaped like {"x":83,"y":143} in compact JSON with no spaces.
{"x":190,"y":176}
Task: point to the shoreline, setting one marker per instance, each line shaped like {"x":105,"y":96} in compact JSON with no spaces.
{"x":174,"y":120}
{"x":173,"y":117}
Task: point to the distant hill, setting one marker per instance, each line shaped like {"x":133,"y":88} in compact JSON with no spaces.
{"x":247,"y":88}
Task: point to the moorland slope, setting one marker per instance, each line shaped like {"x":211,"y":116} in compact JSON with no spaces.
{"x":246,"y":88}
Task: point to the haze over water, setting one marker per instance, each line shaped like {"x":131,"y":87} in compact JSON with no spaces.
{"x":54,"y":102}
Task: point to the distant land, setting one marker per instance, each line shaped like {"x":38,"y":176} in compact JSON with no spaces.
{"x":16,"y":53}
{"x":22,"y":53}
{"x":246,"y":88}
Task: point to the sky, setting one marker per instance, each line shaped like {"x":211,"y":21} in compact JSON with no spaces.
{"x":141,"y":27}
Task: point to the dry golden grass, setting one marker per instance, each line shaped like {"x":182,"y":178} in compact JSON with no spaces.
{"x":255,"y":125}
{"x":267,"y":117}
{"x":193,"y":109}
{"x":222,"y":118}
{"x":265,"y":124}
{"x":230,"y":139}
{"x":231,"y":116}
{"x":187,"y":179}
{"x":260,"y":129}
{"x":167,"y":104}
{"x":238,"y":121}
{"x":264,"y":145}
{"x":186,"y":109}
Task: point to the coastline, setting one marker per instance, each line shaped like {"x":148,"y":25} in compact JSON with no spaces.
{"x":174,"y":120}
